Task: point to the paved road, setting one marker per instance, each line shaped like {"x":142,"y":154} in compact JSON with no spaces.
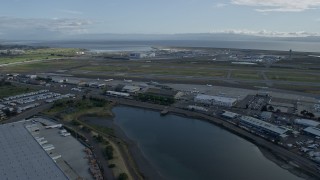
{"x":28,"y":113}
{"x":229,"y":74}
{"x":97,"y":150}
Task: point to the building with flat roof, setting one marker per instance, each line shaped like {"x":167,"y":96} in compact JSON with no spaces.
{"x":265,"y":115}
{"x":312,"y":131}
{"x":262,"y":126}
{"x":161,"y":92}
{"x":117,"y":94}
{"x":22,"y":157}
{"x":215,"y":100}
{"x":306,"y":122}
{"x":131,"y":89}
{"x":229,"y":115}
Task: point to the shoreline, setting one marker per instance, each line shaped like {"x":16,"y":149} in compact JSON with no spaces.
{"x":282,"y":157}
{"x":141,"y":162}
{"x":148,"y":170}
{"x":284,"y":164}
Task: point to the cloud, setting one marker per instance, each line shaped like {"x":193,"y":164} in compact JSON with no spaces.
{"x":279,"y":5}
{"x":265,"y":33}
{"x":67,"y":11}
{"x":61,"y":25}
{"x":219,"y":5}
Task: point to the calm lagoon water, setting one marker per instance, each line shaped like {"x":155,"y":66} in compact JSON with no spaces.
{"x":183,"y":148}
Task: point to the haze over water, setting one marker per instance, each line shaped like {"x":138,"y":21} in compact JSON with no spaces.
{"x":183,"y":148}
{"x":145,"y":45}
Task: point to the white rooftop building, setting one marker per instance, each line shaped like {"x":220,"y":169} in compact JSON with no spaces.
{"x":263,"y":126}
{"x":312,"y":131}
{"x":215,"y":100}
{"x":306,"y":122}
{"x":230,"y":115}
{"x":118,"y":94}
{"x":23,"y":158}
{"x":131,"y":89}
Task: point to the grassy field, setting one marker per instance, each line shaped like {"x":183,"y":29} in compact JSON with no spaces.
{"x":246,"y":75}
{"x":70,"y":110}
{"x":176,"y":70}
{"x":11,"y":90}
{"x":298,"y":77}
{"x":157,"y":70}
{"x":305,"y":89}
{"x":44,"y":66}
{"x":39,"y":54}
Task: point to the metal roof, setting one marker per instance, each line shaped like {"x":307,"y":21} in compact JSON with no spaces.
{"x":306,"y":122}
{"x":312,"y":130}
{"x":264,"y":125}
{"x":215,"y":98}
{"x":22,"y":157}
{"x":230,"y":114}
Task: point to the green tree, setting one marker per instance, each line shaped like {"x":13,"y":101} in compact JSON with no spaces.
{"x":109,"y":152}
{"x":123,"y":176}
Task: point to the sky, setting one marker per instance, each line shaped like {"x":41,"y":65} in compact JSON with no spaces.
{"x":27,"y":18}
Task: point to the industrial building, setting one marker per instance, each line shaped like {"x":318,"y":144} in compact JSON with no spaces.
{"x":96,"y":85}
{"x":229,"y":115}
{"x":140,"y":55}
{"x":265,"y":115}
{"x":131,"y":89}
{"x":312,"y":131}
{"x":306,"y":122}
{"x":22,"y":157}
{"x":161,"y":92}
{"x":215,"y":100}
{"x":117,"y":94}
{"x":263,"y":127}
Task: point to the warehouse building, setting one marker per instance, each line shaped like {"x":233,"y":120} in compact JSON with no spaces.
{"x":265,"y":115}
{"x":312,"y":131}
{"x":306,"y":122}
{"x":22,"y":157}
{"x":263,"y":127}
{"x":117,"y":94}
{"x":131,"y":89}
{"x":229,"y":115}
{"x":140,"y":55}
{"x":161,"y":92}
{"x":215,"y":100}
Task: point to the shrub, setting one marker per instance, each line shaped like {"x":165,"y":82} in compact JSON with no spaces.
{"x":123,"y":176}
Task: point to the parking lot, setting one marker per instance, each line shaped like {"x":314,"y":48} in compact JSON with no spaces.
{"x":20,"y":103}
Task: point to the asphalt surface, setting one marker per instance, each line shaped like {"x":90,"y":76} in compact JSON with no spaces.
{"x":97,"y":150}
{"x":28,"y":113}
{"x":203,"y":78}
